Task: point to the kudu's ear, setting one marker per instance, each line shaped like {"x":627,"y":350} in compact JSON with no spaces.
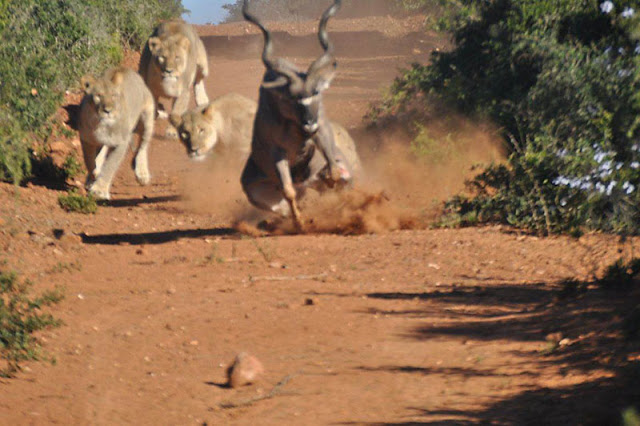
{"x":321,"y":80}
{"x":279,"y":82}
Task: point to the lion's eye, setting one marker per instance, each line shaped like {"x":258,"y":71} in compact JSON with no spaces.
{"x":200,"y":131}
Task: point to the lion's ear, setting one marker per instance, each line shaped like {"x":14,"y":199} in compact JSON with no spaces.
{"x":118,"y":77}
{"x":88,"y":83}
{"x":154,"y":44}
{"x":175,"y":120}
{"x":209,"y":111}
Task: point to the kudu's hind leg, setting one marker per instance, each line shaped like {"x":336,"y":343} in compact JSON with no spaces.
{"x":264,"y":193}
{"x":267,"y":196}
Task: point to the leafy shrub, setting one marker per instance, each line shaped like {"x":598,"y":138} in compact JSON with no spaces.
{"x":46,"y":46}
{"x":14,"y":158}
{"x":561,"y":79}
{"x":630,"y":417}
{"x":20,"y":317}
{"x":76,"y":203}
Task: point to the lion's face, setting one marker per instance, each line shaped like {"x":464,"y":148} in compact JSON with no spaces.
{"x":170,"y":55}
{"x":105,"y":95}
{"x":197,"y":131}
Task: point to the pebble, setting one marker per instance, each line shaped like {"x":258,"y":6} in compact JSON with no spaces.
{"x":244,"y":370}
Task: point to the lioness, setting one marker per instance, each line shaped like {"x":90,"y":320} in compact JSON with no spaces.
{"x":173,"y":60}
{"x":224,"y":125}
{"x":113,"y":107}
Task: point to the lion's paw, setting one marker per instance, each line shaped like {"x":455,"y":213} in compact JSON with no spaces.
{"x":143,"y":177}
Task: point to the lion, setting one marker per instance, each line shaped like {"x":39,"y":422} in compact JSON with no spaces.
{"x":222,"y":126}
{"x":114,"y":107}
{"x":173,"y":60}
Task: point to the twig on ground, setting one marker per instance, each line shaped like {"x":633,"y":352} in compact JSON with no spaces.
{"x":318,"y":277}
{"x":277,"y":390}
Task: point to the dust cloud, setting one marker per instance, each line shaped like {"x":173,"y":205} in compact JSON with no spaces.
{"x":213,"y":187}
{"x":396,"y":189}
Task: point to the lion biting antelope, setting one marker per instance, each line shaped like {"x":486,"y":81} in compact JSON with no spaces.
{"x":294,"y":145}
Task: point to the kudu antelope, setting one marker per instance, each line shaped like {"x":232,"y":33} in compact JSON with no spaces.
{"x":294,"y":145}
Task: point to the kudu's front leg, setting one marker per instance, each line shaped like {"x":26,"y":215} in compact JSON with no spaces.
{"x":284,"y":173}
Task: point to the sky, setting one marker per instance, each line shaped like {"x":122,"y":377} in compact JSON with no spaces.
{"x":204,"y":11}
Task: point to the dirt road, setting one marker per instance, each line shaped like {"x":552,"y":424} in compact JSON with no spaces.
{"x":394,"y":327}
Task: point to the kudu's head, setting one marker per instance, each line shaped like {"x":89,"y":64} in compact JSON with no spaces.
{"x":296,"y":94}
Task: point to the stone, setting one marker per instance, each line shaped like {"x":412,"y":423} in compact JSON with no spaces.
{"x":245,"y":370}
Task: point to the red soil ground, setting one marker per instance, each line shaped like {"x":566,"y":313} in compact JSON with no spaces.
{"x":394,"y":327}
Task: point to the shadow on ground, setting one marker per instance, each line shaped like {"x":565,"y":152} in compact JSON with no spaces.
{"x":596,"y":403}
{"x":161,"y":237}
{"x":133,"y":202}
{"x":592,"y":323}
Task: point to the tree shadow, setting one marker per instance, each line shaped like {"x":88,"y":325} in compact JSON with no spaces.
{"x":592,"y":322}
{"x":162,"y":237}
{"x":463,"y":372}
{"x":600,"y":402}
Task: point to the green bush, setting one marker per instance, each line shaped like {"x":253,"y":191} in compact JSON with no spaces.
{"x":561,"y":79}
{"x":46,"y":46}
{"x":76,"y":203}
{"x":20,"y":317}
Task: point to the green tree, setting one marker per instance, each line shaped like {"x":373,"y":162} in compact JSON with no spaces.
{"x":46,"y":46}
{"x":561,"y":79}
